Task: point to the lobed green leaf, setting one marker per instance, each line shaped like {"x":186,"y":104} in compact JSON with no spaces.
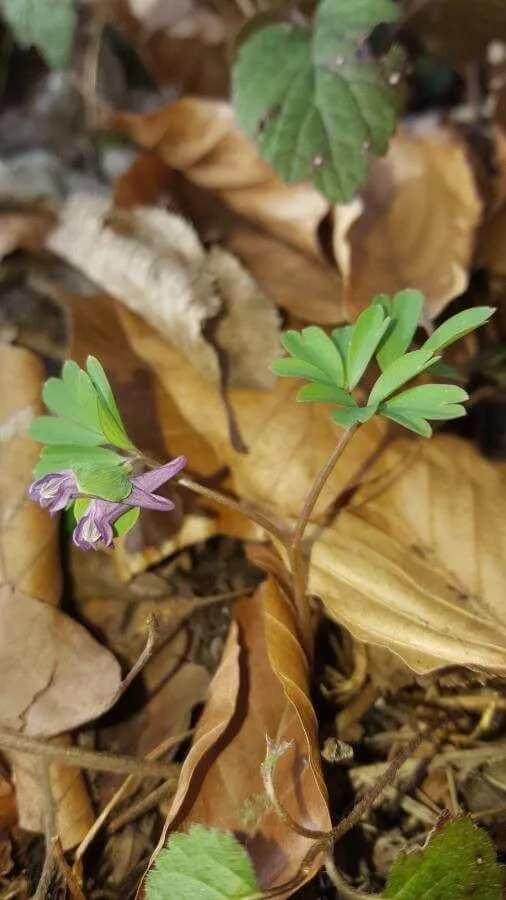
{"x":324,"y":393}
{"x":60,"y":457}
{"x":299,"y":368}
{"x":108,"y":482}
{"x":399,"y":372}
{"x":54,"y":430}
{"x":458,"y":326}
{"x":405,"y":310}
{"x":365,"y":337}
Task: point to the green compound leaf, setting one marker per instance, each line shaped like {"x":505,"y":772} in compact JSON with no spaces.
{"x":324,"y":393}
{"x":126,"y":522}
{"x":405,"y":310}
{"x":53,"y":430}
{"x":318,"y":105}
{"x":80,"y":388}
{"x":108,"y":482}
{"x":399,"y":372}
{"x":409,"y":421}
{"x":323,"y":352}
{"x":110,"y":418}
{"x":428,"y":401}
{"x":49,"y":27}
{"x":459,"y":862}
{"x":60,"y":457}
{"x":365,"y":337}
{"x":299,"y":368}
{"x":62,"y":401}
{"x":458,"y":326}
{"x":204,"y":864}
{"x":358,"y":415}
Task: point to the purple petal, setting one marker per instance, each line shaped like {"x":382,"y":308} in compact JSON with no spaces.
{"x":150,"y":481}
{"x":54,"y":490}
{"x":140,"y":498}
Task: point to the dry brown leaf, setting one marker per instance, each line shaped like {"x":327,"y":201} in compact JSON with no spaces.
{"x":415,"y":226}
{"x":23,"y":230}
{"x":417,"y":563}
{"x":47,"y":660}
{"x":155,"y":264}
{"x":8,"y":808}
{"x":491,"y":253}
{"x":29,"y":558}
{"x":261,"y":689}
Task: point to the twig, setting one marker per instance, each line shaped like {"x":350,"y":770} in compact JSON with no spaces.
{"x":268,"y":768}
{"x":387,"y":777}
{"x":87,"y":759}
{"x":129,"y":783}
{"x":66,"y":872}
{"x":141,"y":807}
{"x":145,"y":656}
{"x":342,"y":887}
{"x":50,"y":867}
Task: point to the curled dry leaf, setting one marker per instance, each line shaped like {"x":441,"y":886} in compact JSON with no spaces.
{"x":29,"y":558}
{"x":391,"y":522}
{"x":47,"y":660}
{"x":155,"y":264}
{"x":261,"y":688}
{"x":415,"y":223}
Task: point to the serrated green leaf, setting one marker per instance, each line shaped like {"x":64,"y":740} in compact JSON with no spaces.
{"x":346,"y":416}
{"x":50,"y":29}
{"x":458,"y":326}
{"x":324,"y":393}
{"x":108,"y":482}
{"x":60,"y":457}
{"x":126,"y":522}
{"x":298,"y":368}
{"x":54,"y":430}
{"x":405,"y":310}
{"x":458,"y":863}
{"x":204,"y":864}
{"x":365,"y":337}
{"x":412,"y":422}
{"x":399,"y":372}
{"x":317,"y":105}
{"x":429,"y":401}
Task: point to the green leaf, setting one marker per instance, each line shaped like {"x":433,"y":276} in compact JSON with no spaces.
{"x":79,"y":385}
{"x":458,"y":863}
{"x":204,"y":864}
{"x":405,"y":310}
{"x":324,"y":393}
{"x":79,"y":507}
{"x":62,"y":402}
{"x":51,"y":29}
{"x":429,"y":401}
{"x":412,"y":422}
{"x":126,"y":522}
{"x":59,"y":457}
{"x":399,"y":372}
{"x":316,"y":348}
{"x":110,"y":417}
{"x":365,"y":337}
{"x":108,"y":482}
{"x":318,"y":105}
{"x":347,"y":416}
{"x":341,"y":338}
{"x":53,"y":430}
{"x":456,"y":327}
{"x":299,"y":368}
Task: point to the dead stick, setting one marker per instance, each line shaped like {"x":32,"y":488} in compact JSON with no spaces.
{"x":87,"y":759}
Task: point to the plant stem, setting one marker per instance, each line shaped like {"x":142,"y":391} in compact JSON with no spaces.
{"x":275,"y":529}
{"x":297,"y":565}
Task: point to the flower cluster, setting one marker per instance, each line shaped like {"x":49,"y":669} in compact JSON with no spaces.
{"x":57,"y":489}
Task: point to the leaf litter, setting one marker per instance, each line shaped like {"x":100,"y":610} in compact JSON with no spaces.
{"x":184,"y":261}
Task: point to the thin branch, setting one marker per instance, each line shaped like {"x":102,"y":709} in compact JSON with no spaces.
{"x":50,"y":867}
{"x":344,"y":889}
{"x":66,"y":872}
{"x":87,"y":759}
{"x":142,"y":806}
{"x":145,"y":656}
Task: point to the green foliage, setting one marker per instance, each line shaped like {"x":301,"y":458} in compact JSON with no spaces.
{"x":459,"y":862}
{"x":204,"y":864}
{"x":47,"y":26}
{"x":335,"y":365}
{"x":318,"y":102}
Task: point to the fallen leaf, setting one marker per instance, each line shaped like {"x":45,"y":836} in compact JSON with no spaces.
{"x":416,"y":562}
{"x":155,"y":264}
{"x":8,"y":808}
{"x":416,"y":224}
{"x":23,"y":230}
{"x":47,"y":660}
{"x":261,"y":689}
{"x":29,"y":558}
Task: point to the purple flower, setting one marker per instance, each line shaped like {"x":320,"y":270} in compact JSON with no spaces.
{"x":54,"y":490}
{"x":96,"y":523}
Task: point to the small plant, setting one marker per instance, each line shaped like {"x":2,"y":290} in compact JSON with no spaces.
{"x":90,"y":466}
